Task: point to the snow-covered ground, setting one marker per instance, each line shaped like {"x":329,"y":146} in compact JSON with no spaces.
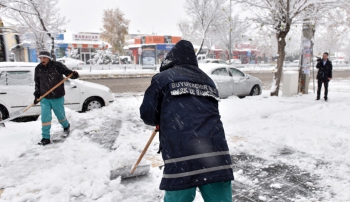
{"x":283,"y":149}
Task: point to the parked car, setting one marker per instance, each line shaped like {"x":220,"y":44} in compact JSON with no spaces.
{"x":339,"y":62}
{"x":296,"y":62}
{"x":231,"y":81}
{"x":71,"y":63}
{"x":218,"y":61}
{"x":234,"y":61}
{"x":18,"y":64}
{"x":122,"y":61}
{"x":201,"y":57}
{"x":17,"y":87}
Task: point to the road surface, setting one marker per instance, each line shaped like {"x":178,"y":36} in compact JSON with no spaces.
{"x":140,"y":84}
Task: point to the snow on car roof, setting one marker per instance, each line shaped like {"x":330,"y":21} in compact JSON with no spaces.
{"x":17,"y":64}
{"x":17,"y":68}
{"x":209,"y":67}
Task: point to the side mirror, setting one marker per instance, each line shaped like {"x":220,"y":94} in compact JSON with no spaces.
{"x":247,"y":76}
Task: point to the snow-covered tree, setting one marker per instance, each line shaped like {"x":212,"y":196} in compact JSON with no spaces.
{"x":204,"y":14}
{"x":73,"y":53}
{"x":104,"y":56}
{"x":235,"y":27}
{"x":332,"y":32}
{"x":279,"y":16}
{"x":39,"y":18}
{"x":115,"y":28}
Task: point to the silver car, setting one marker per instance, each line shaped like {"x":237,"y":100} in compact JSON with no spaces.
{"x":231,"y":81}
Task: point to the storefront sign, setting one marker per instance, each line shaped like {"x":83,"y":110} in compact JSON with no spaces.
{"x":86,"y":37}
{"x":60,"y":37}
{"x":165,"y":46}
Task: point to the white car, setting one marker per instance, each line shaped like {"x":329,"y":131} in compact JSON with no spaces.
{"x":17,"y":88}
{"x":18,"y":64}
{"x":231,"y":81}
{"x":217,"y":61}
{"x":71,"y":63}
{"x":234,"y":61}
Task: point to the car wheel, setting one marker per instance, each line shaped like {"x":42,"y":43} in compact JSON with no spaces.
{"x":255,"y":91}
{"x":92,"y":103}
{"x":241,"y":97}
{"x":3,"y":113}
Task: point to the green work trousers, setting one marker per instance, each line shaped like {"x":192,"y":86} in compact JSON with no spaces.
{"x":214,"y":192}
{"x":57,"y":105}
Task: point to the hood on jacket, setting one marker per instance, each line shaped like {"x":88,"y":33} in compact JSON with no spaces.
{"x":181,"y":54}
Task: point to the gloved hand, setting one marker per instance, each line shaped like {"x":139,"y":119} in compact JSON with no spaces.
{"x":157,"y":128}
{"x":75,"y":74}
{"x":36,"y":100}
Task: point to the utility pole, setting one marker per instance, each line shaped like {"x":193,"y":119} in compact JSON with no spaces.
{"x":230,"y":54}
{"x":308,"y":31}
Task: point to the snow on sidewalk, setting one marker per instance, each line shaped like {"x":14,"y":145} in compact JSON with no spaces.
{"x":286,"y":149}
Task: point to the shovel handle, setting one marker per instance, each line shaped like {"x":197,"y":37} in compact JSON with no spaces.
{"x":53,"y":88}
{"x":144,"y":151}
{"x":26,"y":109}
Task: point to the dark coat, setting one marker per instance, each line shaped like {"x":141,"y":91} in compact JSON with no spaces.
{"x":48,"y":76}
{"x":183,"y":100}
{"x":324,"y":71}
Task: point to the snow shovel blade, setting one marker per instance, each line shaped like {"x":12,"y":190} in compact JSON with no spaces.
{"x":14,"y":115}
{"x":124,"y":172}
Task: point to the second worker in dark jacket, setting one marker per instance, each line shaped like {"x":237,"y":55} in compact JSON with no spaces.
{"x":47,"y":74}
{"x":324,"y":75}
{"x":183,"y":100}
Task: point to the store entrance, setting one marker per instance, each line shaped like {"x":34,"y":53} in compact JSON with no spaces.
{"x":85,"y":57}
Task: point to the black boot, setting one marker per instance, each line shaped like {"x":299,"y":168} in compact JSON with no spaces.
{"x":325,"y":98}
{"x":318,"y":98}
{"x":66,"y":131}
{"x":44,"y":142}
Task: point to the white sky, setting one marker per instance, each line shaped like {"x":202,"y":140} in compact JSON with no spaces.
{"x":158,"y":16}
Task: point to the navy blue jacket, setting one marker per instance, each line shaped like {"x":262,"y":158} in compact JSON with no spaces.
{"x":183,"y":100}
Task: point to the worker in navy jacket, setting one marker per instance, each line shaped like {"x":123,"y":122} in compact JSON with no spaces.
{"x":183,"y":101}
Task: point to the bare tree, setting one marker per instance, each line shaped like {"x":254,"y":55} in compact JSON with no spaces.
{"x":39,"y":18}
{"x":234,"y":27}
{"x":279,"y":16}
{"x":204,"y":14}
{"x":115,"y":27}
{"x":188,"y":30}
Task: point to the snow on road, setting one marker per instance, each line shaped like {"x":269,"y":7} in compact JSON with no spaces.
{"x":283,"y":149}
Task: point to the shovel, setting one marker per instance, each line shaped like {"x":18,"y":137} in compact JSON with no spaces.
{"x":136,"y":170}
{"x":20,"y":112}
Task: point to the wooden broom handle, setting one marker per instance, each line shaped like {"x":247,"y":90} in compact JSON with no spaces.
{"x":144,"y":151}
{"x":53,"y":88}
